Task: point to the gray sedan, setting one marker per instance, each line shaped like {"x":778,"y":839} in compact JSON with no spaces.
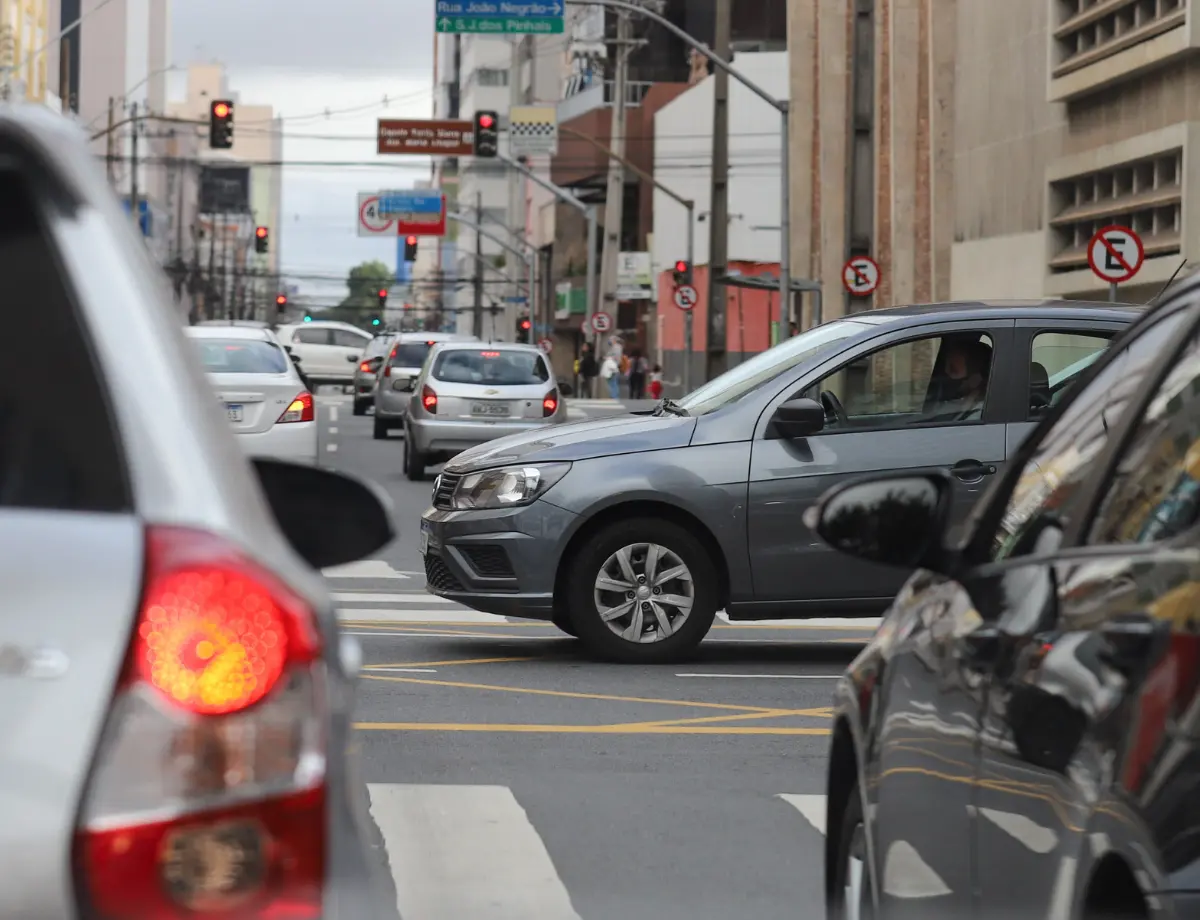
{"x":633,"y":532}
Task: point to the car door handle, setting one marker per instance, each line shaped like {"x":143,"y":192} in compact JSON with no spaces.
{"x":971,"y":470}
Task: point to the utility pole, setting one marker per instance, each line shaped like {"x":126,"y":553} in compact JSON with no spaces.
{"x":614,"y":201}
{"x":108,"y":138}
{"x":516,"y":206}
{"x":718,"y":230}
{"x":133,"y":171}
{"x":210,"y":288}
{"x":477,"y":318}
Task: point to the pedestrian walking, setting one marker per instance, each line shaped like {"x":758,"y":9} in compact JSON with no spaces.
{"x":588,"y":369}
{"x":656,"y":385}
{"x":610,"y":372}
{"x":639,"y":367}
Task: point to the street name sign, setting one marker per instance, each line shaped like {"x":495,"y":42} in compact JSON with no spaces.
{"x":499,"y":17}
{"x":452,"y":138}
{"x":416,"y":211}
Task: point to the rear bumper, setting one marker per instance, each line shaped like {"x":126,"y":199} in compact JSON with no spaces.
{"x":294,"y":441}
{"x":456,"y":435}
{"x":391,"y":403}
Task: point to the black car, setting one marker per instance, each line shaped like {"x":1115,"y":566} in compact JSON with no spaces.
{"x":1019,"y":739}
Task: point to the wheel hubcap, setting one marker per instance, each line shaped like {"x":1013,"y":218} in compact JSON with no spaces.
{"x":644,"y":592}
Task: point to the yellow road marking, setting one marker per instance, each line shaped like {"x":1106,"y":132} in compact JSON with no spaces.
{"x":439,"y":664}
{"x":569,"y":694}
{"x":430,"y":624}
{"x":587,"y":729}
{"x":777,"y":713}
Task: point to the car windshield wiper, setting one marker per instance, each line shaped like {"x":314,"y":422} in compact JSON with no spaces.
{"x":668,"y":406}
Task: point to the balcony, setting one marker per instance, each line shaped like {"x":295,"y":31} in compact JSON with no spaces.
{"x":597,"y":95}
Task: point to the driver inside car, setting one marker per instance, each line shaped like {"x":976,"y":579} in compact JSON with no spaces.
{"x":959,"y":392}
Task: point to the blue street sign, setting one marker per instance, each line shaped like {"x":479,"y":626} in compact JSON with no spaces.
{"x":410,"y":202}
{"x":499,"y":16}
{"x":515,"y":299}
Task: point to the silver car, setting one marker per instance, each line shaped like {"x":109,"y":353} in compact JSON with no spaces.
{"x":405,"y":359}
{"x":470,"y":393}
{"x":367,"y":372}
{"x":175,"y":693}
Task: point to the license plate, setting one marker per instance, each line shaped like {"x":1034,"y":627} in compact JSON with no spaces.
{"x":424,"y":538}
{"x":488,"y":409}
{"x":235,"y":413}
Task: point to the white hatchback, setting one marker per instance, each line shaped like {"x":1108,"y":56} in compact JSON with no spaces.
{"x":268,"y":406}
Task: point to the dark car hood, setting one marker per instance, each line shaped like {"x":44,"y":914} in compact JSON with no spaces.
{"x":603,"y":437}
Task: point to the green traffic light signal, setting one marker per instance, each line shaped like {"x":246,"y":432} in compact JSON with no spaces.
{"x":375,"y":321}
{"x":307,"y":318}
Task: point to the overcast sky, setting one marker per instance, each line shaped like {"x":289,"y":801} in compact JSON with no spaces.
{"x":305,"y":57}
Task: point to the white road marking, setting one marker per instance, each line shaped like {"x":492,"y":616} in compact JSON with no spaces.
{"x":864,"y":623}
{"x":357,"y":631}
{"x":367,"y":568}
{"x":384,"y":615}
{"x":466,"y":851}
{"x":333,"y":413}
{"x":402,"y":670}
{"x":812,"y":807}
{"x":331,"y":447}
{"x":367,"y":598}
{"x":769,"y":676}
{"x":333,"y":431}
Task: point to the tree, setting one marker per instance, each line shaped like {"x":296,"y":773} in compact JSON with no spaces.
{"x":363,"y":284}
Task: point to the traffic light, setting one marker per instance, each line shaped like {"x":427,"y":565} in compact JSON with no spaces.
{"x":410,"y":249}
{"x":682,"y":273}
{"x":262,"y":237}
{"x":524,"y":326}
{"x":376,"y":321}
{"x":486,"y":141}
{"x":281,"y":304}
{"x":382,"y":300}
{"x":220,"y":124}
{"x":307,"y":318}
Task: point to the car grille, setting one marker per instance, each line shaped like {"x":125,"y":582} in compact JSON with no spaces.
{"x":440,"y":577}
{"x":443,"y":490}
{"x":488,"y":561}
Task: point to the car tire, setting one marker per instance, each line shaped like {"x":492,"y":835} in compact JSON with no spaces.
{"x":676,"y":548}
{"x":563,"y":622}
{"x":360,"y":407}
{"x":381,"y":429}
{"x":414,"y":462}
{"x":851,"y":872}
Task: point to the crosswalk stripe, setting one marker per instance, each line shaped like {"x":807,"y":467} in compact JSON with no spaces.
{"x":438,"y":615}
{"x":812,"y":807}
{"x":367,"y":568}
{"x":460,"y":852}
{"x":366,"y":597}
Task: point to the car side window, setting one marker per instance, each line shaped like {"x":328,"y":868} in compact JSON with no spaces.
{"x":1056,"y":359}
{"x":59,"y":446}
{"x":1154,"y":493}
{"x":347,"y":339}
{"x":931,"y":380}
{"x":312,"y":336}
{"x":1047,"y":492}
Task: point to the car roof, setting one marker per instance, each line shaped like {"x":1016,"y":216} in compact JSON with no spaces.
{"x":326,"y":324}
{"x":460,"y":345}
{"x":435,"y":337}
{"x":250,"y":333}
{"x":1009,"y":309}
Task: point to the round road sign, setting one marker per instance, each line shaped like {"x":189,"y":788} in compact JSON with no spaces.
{"x":601,"y":322}
{"x":546,"y":346}
{"x":860,"y":275}
{"x":686,"y":297}
{"x":1115,"y":254}
{"x":370,"y":218}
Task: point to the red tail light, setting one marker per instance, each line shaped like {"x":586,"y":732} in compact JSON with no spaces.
{"x":550,"y":405}
{"x":429,"y":399}
{"x":365,"y":367}
{"x":208,"y":797}
{"x":299,"y":410}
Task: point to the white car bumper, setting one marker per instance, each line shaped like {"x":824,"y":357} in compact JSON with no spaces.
{"x":294,"y":441}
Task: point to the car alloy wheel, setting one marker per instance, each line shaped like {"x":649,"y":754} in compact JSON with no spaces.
{"x":644,"y":592}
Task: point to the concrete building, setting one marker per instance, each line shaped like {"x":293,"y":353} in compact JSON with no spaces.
{"x":215,"y":234}
{"x":973,"y":147}
{"x":26,"y":66}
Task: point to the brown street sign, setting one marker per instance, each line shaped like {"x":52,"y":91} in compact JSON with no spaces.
{"x":447,"y":138}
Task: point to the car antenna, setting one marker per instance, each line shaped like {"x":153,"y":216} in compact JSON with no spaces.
{"x":1170,"y":281}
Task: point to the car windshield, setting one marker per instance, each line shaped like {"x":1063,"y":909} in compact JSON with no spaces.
{"x":241,"y":356}
{"x":410,"y":354}
{"x":748,"y":376}
{"x":491,"y":367}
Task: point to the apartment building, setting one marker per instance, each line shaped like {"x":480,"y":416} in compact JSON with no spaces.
{"x":973,"y":147}
{"x":25,"y":67}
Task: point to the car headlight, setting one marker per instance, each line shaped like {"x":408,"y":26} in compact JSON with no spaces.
{"x":506,"y":487}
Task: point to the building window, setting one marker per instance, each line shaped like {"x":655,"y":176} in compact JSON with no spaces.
{"x":1086,"y":31}
{"x":488,"y":76}
{"x":1144,"y":195}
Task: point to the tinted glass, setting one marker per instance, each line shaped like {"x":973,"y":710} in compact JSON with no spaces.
{"x":347,"y":339}
{"x":58,"y":444}
{"x":1047,"y":490}
{"x":1155,"y":490}
{"x":239,"y":356}
{"x":410,"y":354}
{"x":312,"y":336}
{"x":491,"y":368}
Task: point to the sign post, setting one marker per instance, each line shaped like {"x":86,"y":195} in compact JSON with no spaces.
{"x":498,"y":17}
{"x":1115,"y":254}
{"x":416,"y":211}
{"x":860,"y":276}
{"x":686,"y":298}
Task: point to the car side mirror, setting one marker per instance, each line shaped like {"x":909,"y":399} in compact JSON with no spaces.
{"x":898,"y":520}
{"x":798,"y":418}
{"x":329,"y":518}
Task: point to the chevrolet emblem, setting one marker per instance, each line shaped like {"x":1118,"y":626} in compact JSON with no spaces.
{"x":491,"y":392}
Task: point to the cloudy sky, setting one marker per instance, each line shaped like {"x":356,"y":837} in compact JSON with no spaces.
{"x":306,"y":57}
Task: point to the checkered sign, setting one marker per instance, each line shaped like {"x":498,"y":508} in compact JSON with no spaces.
{"x":533,"y":130}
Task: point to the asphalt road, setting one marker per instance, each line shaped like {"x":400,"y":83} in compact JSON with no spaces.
{"x":511,"y":778}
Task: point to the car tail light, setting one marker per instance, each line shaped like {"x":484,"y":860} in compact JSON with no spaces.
{"x":550,"y":405}
{"x":365,"y":367}
{"x":208,"y":794}
{"x":299,"y":410}
{"x":429,"y":399}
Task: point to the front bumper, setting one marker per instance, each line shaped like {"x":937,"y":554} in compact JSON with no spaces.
{"x":452,"y":436}
{"x":293,"y":441}
{"x":502,"y":561}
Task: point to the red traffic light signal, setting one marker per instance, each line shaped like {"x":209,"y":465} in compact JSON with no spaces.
{"x":525,"y":324}
{"x":281,"y":300}
{"x":220,"y":109}
{"x":486,"y":121}
{"x":412,"y":241}
{"x":383,"y":293}
{"x":261,"y":232}
{"x":680,"y":266}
